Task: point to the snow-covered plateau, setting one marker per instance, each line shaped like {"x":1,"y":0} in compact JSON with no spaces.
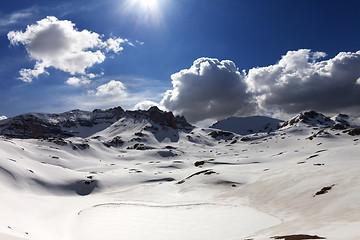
{"x":131,"y":175}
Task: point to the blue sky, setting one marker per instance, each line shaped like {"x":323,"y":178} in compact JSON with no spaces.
{"x":236,"y":46}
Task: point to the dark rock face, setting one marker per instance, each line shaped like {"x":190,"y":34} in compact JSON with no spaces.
{"x":140,"y":146}
{"x":162,"y":118}
{"x":69,"y":124}
{"x":115,"y":142}
{"x":30,"y":126}
{"x":311,"y":118}
{"x":340,"y":126}
{"x":37,"y":125}
{"x":221,"y":134}
{"x":199,"y":163}
{"x":354,"y":132}
{"x":80,"y":146}
{"x":183,"y":124}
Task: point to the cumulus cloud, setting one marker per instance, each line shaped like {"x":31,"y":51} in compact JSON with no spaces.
{"x":74,"y":81}
{"x":209,"y":89}
{"x":82,"y":80}
{"x":146,"y":104}
{"x":299,"y":81}
{"x":112,"y":88}
{"x":58,"y":44}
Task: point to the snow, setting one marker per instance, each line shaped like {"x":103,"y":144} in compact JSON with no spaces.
{"x":257,"y":188}
{"x":343,"y":118}
{"x":186,"y":221}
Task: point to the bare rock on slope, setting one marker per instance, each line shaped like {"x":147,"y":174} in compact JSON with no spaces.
{"x":310,"y":118}
{"x":77,"y":123}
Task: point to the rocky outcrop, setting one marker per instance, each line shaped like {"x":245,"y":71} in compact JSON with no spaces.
{"x":354,"y":132}
{"x":162,"y":118}
{"x":31,"y":126}
{"x":115,"y":142}
{"x":83,"y":123}
{"x":311,"y":118}
{"x":221,"y":135}
{"x":67,"y":124}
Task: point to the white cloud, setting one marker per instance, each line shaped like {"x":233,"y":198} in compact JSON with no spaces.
{"x":27,"y":75}
{"x":113,"y":44}
{"x":57,"y":43}
{"x":74,"y":81}
{"x":3,"y":118}
{"x":112,"y":88}
{"x":82,"y":80}
{"x":146,"y":104}
{"x":91,"y":75}
{"x":208,"y":89}
{"x":298,"y":82}
{"x":358,"y":81}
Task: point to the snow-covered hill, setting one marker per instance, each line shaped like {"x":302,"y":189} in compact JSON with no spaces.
{"x":143,"y":177}
{"x":248,"y":125}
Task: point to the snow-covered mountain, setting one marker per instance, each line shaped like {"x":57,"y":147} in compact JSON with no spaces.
{"x":77,"y":123}
{"x":115,"y":174}
{"x":310,"y":118}
{"x":248,"y":125}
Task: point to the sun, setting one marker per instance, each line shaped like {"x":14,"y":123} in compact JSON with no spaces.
{"x":148,"y":12}
{"x":146,"y":5}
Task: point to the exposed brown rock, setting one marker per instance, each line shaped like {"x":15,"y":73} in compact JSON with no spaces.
{"x":298,"y":237}
{"x":354,"y":132}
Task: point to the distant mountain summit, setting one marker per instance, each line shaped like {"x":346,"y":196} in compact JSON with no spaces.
{"x":262,"y":124}
{"x":248,"y":125}
{"x":310,"y":118}
{"x":78,"y":123}
{"x":349,"y":125}
{"x":316,"y":119}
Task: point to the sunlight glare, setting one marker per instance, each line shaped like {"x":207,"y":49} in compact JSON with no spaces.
{"x":147,"y":11}
{"x":147,"y":5}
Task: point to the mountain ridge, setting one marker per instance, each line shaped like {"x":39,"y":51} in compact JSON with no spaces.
{"x":299,"y":179}
{"x":79,"y":123}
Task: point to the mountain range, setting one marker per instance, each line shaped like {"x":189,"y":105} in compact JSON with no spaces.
{"x":116,"y":174}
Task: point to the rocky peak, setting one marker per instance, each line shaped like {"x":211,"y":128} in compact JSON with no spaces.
{"x":311,"y":118}
{"x":344,"y":121}
{"x":162,"y":118}
{"x":183,"y":124}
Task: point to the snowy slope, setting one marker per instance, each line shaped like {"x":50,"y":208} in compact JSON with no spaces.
{"x":140,"y":179}
{"x":248,"y":125}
